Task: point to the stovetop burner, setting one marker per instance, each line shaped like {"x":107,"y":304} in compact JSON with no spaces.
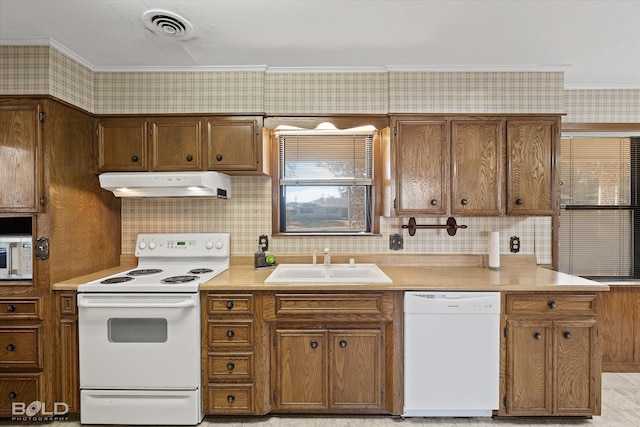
{"x":200,"y":271}
{"x":179,"y":279}
{"x":144,"y":272}
{"x":119,"y":279}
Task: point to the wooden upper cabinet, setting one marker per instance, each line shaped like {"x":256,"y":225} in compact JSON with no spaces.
{"x":176,"y":144}
{"x":531,"y":163}
{"x":20,"y":139}
{"x":422,"y":162}
{"x":233,"y":144}
{"x":122,"y":144}
{"x":476,"y":162}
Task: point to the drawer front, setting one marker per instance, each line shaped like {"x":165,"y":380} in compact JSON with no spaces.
{"x":231,"y":399}
{"x":21,"y":347}
{"x":229,"y":367}
{"x":551,"y":304}
{"x":366,"y":306}
{"x":230,"y":303}
{"x":230,"y":334}
{"x":18,"y":389}
{"x":20,"y":308}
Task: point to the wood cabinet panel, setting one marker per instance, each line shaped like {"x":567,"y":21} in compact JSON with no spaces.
{"x":21,"y":347}
{"x":552,"y":304}
{"x":22,"y":388}
{"x":231,"y":304}
{"x":232,"y":144}
{"x":231,"y":367}
{"x":176,"y":144}
{"x":122,"y":144}
{"x":231,"y":399}
{"x":20,"y":308}
{"x":230,"y":334}
{"x":619,"y":323}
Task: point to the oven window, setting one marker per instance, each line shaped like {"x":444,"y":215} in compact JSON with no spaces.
{"x":3,"y":258}
{"x":135,"y":330}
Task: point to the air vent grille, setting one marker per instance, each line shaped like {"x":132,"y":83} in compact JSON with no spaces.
{"x":168,"y":24}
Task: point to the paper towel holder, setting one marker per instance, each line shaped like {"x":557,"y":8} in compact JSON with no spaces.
{"x":451,"y":226}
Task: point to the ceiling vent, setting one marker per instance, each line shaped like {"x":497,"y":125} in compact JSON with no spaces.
{"x":168,"y":24}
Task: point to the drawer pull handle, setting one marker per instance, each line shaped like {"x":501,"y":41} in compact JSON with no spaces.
{"x":552,"y":304}
{"x":434,"y":202}
{"x":10,"y":347}
{"x":189,"y":158}
{"x":231,"y":398}
{"x":464,"y":202}
{"x":229,"y":304}
{"x":219,"y":157}
{"x":230,"y":333}
{"x":134,"y":158}
{"x":314,"y":344}
{"x":518,"y":202}
{"x":537,"y":335}
{"x":13,"y":394}
{"x":231,"y":366}
{"x":11,"y":308}
{"x":343,"y":343}
{"x":566,"y":335}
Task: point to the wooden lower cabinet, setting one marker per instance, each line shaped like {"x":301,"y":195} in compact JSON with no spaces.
{"x":552,"y":355}
{"x":67,"y":375}
{"x":619,"y":321}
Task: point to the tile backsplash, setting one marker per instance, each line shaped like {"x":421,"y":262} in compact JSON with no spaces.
{"x":248,"y":214}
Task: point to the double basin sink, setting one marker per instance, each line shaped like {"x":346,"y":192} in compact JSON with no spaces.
{"x":334,"y":273}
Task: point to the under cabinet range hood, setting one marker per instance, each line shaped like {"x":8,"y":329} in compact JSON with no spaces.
{"x":167,"y":184}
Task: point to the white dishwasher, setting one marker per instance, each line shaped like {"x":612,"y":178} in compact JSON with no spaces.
{"x":451,"y":354}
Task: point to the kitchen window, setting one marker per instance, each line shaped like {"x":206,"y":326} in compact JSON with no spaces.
{"x":599,"y":235}
{"x":326,"y":181}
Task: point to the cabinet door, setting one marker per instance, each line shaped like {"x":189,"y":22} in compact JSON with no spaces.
{"x":476,"y":161}
{"x":356,"y":379}
{"x":529,"y":373}
{"x":232,"y":144}
{"x":122,"y":144}
{"x":19,"y":145}
{"x":301,"y":369}
{"x":531,"y":152}
{"x":422,"y":159}
{"x":574,"y":374}
{"x":619,"y":322}
{"x":177,"y":144}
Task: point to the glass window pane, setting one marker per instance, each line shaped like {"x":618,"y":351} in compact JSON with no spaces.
{"x":137,"y":330}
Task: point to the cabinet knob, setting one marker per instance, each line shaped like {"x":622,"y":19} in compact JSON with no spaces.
{"x":518,"y":202}
{"x":189,"y":158}
{"x":314,"y":344}
{"x":134,"y":158}
{"x":13,"y":394}
{"x":11,"y":308}
{"x":230,"y":333}
{"x":219,"y":157}
{"x":229,"y":305}
{"x":10,"y":347}
{"x":464,"y":202}
{"x":537,"y":335}
{"x":231,"y":398}
{"x":566,"y":335}
{"x":231,"y":366}
{"x":552,"y":304}
{"x":434,"y":202}
{"x":343,"y":343}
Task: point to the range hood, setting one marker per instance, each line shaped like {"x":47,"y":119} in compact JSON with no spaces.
{"x":167,"y":184}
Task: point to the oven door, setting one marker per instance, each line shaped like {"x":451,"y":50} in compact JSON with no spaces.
{"x":139,"y":341}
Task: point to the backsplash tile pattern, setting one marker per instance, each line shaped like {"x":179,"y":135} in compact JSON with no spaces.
{"x":248,"y":214}
{"x":476,"y":92}
{"x":24,"y":70}
{"x":602,"y":106}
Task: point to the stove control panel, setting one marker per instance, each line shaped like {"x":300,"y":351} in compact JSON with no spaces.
{"x":183,"y":244}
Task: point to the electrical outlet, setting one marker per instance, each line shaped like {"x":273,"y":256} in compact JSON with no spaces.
{"x":396,"y":242}
{"x":514,"y":244}
{"x":263,"y":241}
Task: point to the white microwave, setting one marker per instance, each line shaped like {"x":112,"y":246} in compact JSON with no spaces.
{"x":16,"y":257}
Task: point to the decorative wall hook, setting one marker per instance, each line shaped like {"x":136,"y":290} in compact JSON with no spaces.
{"x":451,"y":226}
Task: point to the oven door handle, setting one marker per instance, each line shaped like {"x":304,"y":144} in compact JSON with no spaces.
{"x":180,"y":304}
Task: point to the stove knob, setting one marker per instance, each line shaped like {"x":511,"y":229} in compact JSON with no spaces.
{"x":142,"y":245}
{"x":152,"y":245}
{"x":219,"y":245}
{"x":208,"y":245}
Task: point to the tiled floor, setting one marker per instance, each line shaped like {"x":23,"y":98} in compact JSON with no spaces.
{"x":620,"y":408}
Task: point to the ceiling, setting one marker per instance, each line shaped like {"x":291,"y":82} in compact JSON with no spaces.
{"x":596,"y":42}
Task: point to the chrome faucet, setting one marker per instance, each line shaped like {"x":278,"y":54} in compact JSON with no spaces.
{"x":327,"y":257}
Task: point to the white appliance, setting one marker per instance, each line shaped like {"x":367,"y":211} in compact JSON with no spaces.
{"x":16,"y":257}
{"x":139,"y":333}
{"x":451,"y":353}
{"x":167,"y":184}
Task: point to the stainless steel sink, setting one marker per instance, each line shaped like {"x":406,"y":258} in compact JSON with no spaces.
{"x":334,"y":273}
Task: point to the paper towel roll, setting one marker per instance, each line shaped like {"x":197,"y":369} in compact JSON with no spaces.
{"x":494,"y":249}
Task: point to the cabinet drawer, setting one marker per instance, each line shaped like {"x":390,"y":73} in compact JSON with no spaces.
{"x":369,"y":306}
{"x":551,"y":304}
{"x":18,"y":389}
{"x":231,"y":367}
{"x":231,"y":399}
{"x":230,"y":303}
{"x":231,"y":334}
{"x":21,"y":347}
{"x":23,"y":308}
